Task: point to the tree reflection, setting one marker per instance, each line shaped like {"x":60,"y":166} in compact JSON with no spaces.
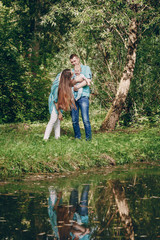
{"x":111,"y":216}
{"x":123,"y":209}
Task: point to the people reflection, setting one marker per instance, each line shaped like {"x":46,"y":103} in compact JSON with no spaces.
{"x":69,"y":221}
{"x":80,"y":228}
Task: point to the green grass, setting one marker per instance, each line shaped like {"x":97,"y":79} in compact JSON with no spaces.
{"x":24,"y":151}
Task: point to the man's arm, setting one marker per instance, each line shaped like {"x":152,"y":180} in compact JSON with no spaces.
{"x":77,"y":79}
{"x":80,"y":85}
{"x":81,"y":78}
{"x":83,"y":82}
{"x":88,"y":80}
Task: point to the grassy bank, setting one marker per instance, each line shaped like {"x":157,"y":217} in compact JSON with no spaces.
{"x":22,"y":149}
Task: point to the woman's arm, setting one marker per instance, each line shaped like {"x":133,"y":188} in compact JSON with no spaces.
{"x":79,"y":230}
{"x":60,"y":116}
{"x":59,"y":196}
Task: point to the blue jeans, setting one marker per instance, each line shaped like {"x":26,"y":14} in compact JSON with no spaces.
{"x":83,"y":104}
{"x":82,"y":207}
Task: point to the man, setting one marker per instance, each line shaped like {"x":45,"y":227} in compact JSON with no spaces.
{"x":83,"y":102}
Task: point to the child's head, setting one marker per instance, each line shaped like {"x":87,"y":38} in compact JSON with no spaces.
{"x":77,"y":69}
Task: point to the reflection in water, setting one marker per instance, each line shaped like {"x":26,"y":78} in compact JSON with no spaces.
{"x":116,"y":206}
{"x":123,"y":208}
{"x":69,"y":221}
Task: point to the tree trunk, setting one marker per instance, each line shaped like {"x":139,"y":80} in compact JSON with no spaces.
{"x":118,"y":103}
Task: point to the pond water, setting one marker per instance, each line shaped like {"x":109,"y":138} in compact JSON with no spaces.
{"x":100,"y":204}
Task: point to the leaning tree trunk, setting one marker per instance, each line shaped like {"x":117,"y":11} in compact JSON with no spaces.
{"x":118,"y":103}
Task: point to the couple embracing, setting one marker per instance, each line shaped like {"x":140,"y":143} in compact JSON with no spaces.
{"x":70,"y":91}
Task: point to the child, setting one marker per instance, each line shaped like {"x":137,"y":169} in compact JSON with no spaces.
{"x":77,"y":71}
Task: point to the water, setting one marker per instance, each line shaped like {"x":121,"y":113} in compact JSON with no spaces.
{"x":115,"y":205}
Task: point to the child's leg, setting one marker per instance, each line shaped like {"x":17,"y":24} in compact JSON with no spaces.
{"x":57,"y":129}
{"x":53,"y":118}
{"x":79,"y":93}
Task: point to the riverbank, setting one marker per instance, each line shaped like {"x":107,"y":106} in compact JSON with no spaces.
{"x":23,"y":150}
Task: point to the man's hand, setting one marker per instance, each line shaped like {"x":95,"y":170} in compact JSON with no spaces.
{"x":88,"y":81}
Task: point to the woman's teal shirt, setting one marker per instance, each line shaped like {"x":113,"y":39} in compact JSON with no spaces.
{"x":53,"y":97}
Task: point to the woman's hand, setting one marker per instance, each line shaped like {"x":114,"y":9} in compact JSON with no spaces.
{"x":76,"y":88}
{"x":60,"y":116}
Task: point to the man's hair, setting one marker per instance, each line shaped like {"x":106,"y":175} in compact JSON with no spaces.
{"x":73,"y":55}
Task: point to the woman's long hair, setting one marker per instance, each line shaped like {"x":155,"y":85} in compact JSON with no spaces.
{"x":64,"y":218}
{"x":65,"y":95}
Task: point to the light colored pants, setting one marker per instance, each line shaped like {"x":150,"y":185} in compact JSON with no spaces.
{"x":53,"y":122}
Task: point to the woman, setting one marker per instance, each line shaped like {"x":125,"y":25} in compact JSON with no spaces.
{"x":60,"y":98}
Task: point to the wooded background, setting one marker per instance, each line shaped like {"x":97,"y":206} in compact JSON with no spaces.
{"x":119,"y":40}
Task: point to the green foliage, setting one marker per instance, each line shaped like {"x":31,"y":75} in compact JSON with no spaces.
{"x":147,"y":87}
{"x":37,"y":38}
{"x":143,"y":100}
{"x":24,"y":81}
{"x":99,"y":36}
